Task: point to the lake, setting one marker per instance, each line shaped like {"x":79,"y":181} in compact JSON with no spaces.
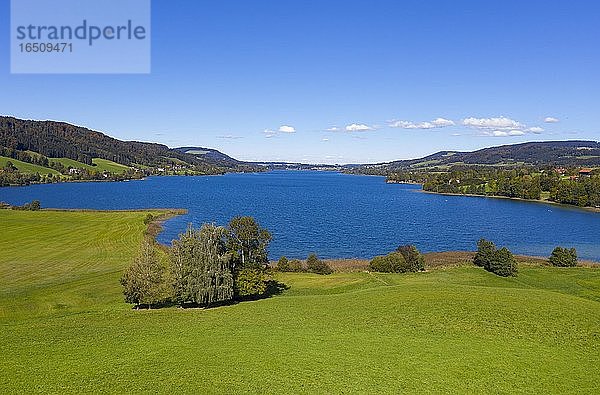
{"x":336,"y":215}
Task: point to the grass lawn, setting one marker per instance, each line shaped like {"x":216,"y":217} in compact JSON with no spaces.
{"x":100,"y":165}
{"x":66,"y":162}
{"x":25,"y":167}
{"x":110,"y":166}
{"x":65,"y":328}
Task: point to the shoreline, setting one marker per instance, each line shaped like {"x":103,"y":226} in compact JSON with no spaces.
{"x":442,"y":260}
{"x":539,"y":201}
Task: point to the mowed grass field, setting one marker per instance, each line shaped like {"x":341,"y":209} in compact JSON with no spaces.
{"x":65,"y":329}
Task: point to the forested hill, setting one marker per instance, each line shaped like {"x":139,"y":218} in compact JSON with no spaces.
{"x":62,"y":140}
{"x":550,"y":153}
{"x":211,"y":155}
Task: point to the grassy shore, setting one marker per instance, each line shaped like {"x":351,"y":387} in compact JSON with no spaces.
{"x":455,"y":328}
{"x":443,"y":260}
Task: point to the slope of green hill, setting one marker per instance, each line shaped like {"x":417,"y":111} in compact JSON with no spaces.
{"x":98,"y":164}
{"x":25,"y":167}
{"x":110,"y":166}
{"x":66,"y":329}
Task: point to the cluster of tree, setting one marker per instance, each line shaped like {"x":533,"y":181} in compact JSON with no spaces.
{"x":313,"y":265}
{"x":35,"y":159}
{"x":523,"y":182}
{"x":10,"y":175}
{"x":498,"y":261}
{"x":582,"y":192}
{"x":563,"y":257}
{"x":204,"y":267}
{"x":406,"y":259}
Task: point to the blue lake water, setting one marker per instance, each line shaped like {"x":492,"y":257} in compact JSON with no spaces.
{"x":336,"y":215}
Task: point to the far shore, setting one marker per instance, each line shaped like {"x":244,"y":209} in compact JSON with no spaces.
{"x":590,"y":209}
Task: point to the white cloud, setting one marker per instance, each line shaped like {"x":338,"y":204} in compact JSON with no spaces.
{"x":287,"y":129}
{"x":492,"y":123}
{"x":535,"y":130}
{"x":333,"y":129}
{"x":441,"y":122}
{"x":551,"y":120}
{"x":358,"y":127}
{"x":503,"y":133}
{"x":410,"y":125}
{"x":325,"y":139}
{"x":282,"y":129}
{"x":516,"y":133}
{"x":436,"y":123}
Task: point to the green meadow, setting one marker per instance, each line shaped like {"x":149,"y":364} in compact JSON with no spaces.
{"x":25,"y":167}
{"x":100,"y":165}
{"x":65,"y":327}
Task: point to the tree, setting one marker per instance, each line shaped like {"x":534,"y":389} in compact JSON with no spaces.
{"x":9,"y":167}
{"x":202,"y":266}
{"x":315,"y":265}
{"x":563,"y":257}
{"x":485,"y":253}
{"x":296,"y":266}
{"x":283,"y":265}
{"x":500,"y":262}
{"x":250,"y":283}
{"x":248,"y":241}
{"x":413,"y":258}
{"x":35,"y":205}
{"x":504,"y":263}
{"x":145,"y":282}
{"x":392,"y":263}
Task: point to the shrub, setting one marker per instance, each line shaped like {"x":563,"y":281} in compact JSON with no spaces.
{"x":283,"y":265}
{"x":413,"y":258}
{"x":485,"y":253}
{"x":250,"y":283}
{"x":500,"y":262}
{"x":315,"y":265}
{"x":148,"y":219}
{"x":393,"y":263}
{"x":295,"y":266}
{"x":504,"y":263}
{"x":563,"y":257}
{"x":33,"y":206}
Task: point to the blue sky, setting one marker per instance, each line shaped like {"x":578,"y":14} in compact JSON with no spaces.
{"x":339,"y":81}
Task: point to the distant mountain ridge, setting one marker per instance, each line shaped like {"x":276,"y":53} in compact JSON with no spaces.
{"x":63,"y":140}
{"x":210,"y":154}
{"x":547,"y":153}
